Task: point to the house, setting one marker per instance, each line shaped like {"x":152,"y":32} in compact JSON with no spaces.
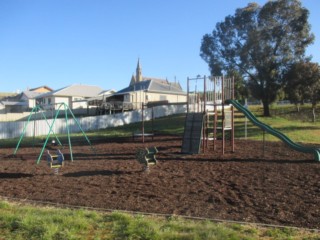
{"x":12,"y":104}
{"x":149,"y":90}
{"x":23,"y":101}
{"x":99,"y":102}
{"x":75,"y":96}
{"x":12,"y":107}
{"x":29,"y":96}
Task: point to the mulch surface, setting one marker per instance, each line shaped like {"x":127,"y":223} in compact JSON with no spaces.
{"x":268,"y":184}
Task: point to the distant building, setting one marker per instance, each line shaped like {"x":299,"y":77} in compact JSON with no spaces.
{"x":99,"y":102}
{"x":149,"y":90}
{"x":23,"y":101}
{"x":75,"y":96}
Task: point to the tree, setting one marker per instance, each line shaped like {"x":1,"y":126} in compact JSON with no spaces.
{"x":294,"y":86}
{"x":260,"y":43}
{"x":303,"y":83}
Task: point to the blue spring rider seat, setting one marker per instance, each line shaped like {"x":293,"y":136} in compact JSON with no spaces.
{"x":55,"y":161}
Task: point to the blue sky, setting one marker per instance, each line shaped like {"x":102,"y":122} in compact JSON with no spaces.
{"x":98,"y":42}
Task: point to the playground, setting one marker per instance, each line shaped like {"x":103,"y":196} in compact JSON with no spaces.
{"x":264,"y":183}
{"x":205,"y":173}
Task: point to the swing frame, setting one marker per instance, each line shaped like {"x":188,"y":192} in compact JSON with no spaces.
{"x":67,"y":110}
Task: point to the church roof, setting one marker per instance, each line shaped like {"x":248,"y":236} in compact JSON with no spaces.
{"x":153,"y":85}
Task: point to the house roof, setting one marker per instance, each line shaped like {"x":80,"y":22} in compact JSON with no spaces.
{"x":10,"y":103}
{"x":30,"y":94}
{"x":76,"y":90}
{"x":103,"y":94}
{"x":154,"y":85}
{"x":160,"y":86}
{"x":107,"y":92}
{"x":37,"y":88}
{"x":19,"y":97}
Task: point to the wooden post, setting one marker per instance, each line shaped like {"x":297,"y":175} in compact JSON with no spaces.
{"x":232,"y":115}
{"x":188,"y":95}
{"x":223,"y":115}
{"x":264,"y":141}
{"x":152,"y":125}
{"x":142,"y":115}
{"x":215,"y":115}
{"x":204,"y":130}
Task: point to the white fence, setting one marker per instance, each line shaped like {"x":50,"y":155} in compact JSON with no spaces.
{"x":7,"y":117}
{"x":42,"y":127}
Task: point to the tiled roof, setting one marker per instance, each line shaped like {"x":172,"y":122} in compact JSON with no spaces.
{"x":76,"y":90}
{"x":31,"y":94}
{"x":154,"y":85}
{"x":9,"y":103}
{"x":144,"y":85}
{"x":168,"y":87}
{"x":46,"y":87}
{"x":102,"y":95}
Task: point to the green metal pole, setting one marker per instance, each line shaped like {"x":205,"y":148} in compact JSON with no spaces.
{"x":34,"y":130}
{"x":52,"y":130}
{"x":48,"y":135}
{"x":83,"y":133}
{"x":68,"y":132}
{"x":24,"y":131}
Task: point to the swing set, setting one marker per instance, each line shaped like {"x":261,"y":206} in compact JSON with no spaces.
{"x":67,"y":111}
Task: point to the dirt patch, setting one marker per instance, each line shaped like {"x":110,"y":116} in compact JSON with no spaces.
{"x":267,"y":184}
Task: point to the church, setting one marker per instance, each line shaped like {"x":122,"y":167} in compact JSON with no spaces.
{"x":150,"y":91}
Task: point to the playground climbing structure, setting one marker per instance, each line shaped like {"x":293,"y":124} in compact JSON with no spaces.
{"x":208,"y":116}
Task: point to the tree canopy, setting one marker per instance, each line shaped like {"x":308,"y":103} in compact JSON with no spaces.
{"x":303,"y":83}
{"x":260,"y":43}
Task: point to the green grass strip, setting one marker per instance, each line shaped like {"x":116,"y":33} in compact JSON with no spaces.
{"x":29,"y":222}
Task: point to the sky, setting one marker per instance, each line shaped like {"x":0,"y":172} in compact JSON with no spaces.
{"x":58,"y":43}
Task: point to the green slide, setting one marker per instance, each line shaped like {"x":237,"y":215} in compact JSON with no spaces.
{"x":281,"y":136}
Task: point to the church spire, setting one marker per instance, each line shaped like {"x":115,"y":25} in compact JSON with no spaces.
{"x":138,"y":72}
{"x":133,"y":80}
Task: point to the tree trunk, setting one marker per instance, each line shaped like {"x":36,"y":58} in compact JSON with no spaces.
{"x":266,"y":110}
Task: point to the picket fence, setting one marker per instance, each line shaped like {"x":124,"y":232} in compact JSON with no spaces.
{"x":42,"y":127}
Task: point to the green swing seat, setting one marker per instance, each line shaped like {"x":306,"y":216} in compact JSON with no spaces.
{"x":147,"y":156}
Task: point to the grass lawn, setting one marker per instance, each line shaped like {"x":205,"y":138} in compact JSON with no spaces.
{"x":28,"y":222}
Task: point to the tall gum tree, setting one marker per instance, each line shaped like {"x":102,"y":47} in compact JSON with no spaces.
{"x":260,"y":42}
{"x":303,"y":84}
